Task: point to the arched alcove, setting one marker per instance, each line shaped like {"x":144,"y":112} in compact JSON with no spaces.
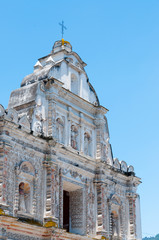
{"x":115,"y":224}
{"x":87,"y":144}
{"x":25,"y":190}
{"x":115,"y":217}
{"x":74,"y":137}
{"x":60,"y":130}
{"x":24,"y":197}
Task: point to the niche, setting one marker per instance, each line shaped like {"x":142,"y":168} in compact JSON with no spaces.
{"x":24,"y":197}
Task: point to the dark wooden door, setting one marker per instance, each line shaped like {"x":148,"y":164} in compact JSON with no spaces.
{"x":66,"y":210}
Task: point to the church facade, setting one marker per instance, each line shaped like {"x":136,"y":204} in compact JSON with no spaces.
{"x":58,"y":177}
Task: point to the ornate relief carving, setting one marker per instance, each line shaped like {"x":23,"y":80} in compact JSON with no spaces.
{"x":74,"y":174}
{"x":38,"y":127}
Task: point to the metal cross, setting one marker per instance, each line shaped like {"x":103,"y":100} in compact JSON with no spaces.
{"x":62,"y":28}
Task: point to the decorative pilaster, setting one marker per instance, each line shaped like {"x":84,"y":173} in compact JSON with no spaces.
{"x":121,"y":220}
{"x":51,"y":118}
{"x":100,"y":149}
{"x":34,"y":194}
{"x":110,"y":220}
{"x":50,"y":199}
{"x":16,"y":196}
{"x":132,"y":215}
{"x":69,"y":127}
{"x":101,"y":210}
{"x":1,"y":169}
{"x":48,"y":192}
{"x":60,"y":199}
{"x":90,"y":202}
{"x":105,"y":210}
{"x":3,"y":160}
{"x":81,"y":133}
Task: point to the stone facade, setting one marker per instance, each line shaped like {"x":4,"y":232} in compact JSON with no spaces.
{"x":58,"y":179}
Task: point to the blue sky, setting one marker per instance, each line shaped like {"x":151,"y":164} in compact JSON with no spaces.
{"x":119,"y":40}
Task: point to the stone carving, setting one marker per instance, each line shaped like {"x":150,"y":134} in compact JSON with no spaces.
{"x":2,"y":112}
{"x":87,"y":144}
{"x":74,"y":174}
{"x":38,"y":127}
{"x":60,"y":130}
{"x":74,"y":137}
{"x":38,"y":115}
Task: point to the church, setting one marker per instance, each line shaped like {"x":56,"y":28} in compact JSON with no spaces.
{"x":58,"y":177}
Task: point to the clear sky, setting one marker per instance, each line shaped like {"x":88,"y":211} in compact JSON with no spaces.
{"x":119,"y":40}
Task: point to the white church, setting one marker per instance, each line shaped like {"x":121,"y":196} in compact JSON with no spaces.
{"x":58,"y":177}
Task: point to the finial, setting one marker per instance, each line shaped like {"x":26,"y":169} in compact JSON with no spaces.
{"x":62,"y":28}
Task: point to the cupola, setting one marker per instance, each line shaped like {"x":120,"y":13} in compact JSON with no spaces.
{"x":61,"y":45}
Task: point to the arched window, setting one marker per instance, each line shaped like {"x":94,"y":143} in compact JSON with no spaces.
{"x":74,"y":137}
{"x":87,"y":144}
{"x":74,"y":84}
{"x":24,"y":197}
{"x":60,"y":130}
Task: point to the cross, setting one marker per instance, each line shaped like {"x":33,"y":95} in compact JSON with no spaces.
{"x":62,"y":28}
